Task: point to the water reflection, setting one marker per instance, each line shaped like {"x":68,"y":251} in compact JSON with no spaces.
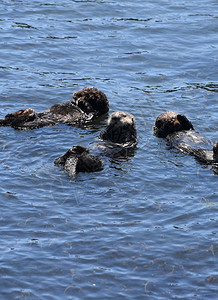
{"x":212,"y":87}
{"x":145,"y":226}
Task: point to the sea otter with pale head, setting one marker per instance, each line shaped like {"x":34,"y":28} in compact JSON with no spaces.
{"x":118,"y":139}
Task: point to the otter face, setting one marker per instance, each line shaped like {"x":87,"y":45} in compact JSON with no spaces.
{"x":169,"y":122}
{"x":121,"y":119}
{"x":121,"y":129}
{"x":91,"y":100}
{"x":215,"y":152}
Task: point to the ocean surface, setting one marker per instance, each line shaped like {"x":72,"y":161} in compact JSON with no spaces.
{"x":144,"y":227}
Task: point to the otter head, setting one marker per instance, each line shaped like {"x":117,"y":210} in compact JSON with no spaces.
{"x":169,"y":122}
{"x":121,"y":129}
{"x":91,"y":100}
{"x":215,"y":152}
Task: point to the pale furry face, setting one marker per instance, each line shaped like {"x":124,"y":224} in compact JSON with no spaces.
{"x":121,"y":119}
{"x":120,"y":129}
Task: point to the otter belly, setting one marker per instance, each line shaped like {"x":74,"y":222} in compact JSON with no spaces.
{"x":189,"y":141}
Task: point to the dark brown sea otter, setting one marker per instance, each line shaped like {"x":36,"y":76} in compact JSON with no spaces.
{"x":180,"y":134}
{"x":86,"y":105}
{"x":77,"y":159}
{"x":121,"y":129}
{"x":118,"y":139}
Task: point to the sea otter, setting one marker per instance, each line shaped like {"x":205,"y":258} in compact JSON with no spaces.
{"x":87,"y":104}
{"x":180,"y":134}
{"x":77,"y":159}
{"x":120,"y":130}
{"x":118,"y":139}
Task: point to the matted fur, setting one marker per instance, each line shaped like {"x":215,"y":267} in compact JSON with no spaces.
{"x":87,"y":104}
{"x":180,"y":134}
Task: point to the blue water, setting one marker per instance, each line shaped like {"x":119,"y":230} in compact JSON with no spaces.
{"x":144,"y":228}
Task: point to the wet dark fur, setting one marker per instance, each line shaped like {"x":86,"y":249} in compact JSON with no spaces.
{"x":118,"y":139}
{"x":78,"y":159}
{"x":180,"y":134}
{"x":120,"y":130}
{"x":169,"y":122}
{"x":208,"y":156}
{"x":87,"y":104}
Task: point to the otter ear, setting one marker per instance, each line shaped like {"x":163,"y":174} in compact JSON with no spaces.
{"x":185,"y":123}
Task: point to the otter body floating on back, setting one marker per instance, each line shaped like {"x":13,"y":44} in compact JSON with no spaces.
{"x":180,"y":134}
{"x":118,"y":137}
{"x":77,"y":159}
{"x":87,"y":104}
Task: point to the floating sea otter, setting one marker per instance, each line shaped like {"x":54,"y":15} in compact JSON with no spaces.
{"x":87,"y":104}
{"x":77,"y":159}
{"x":180,"y":134}
{"x":119,"y":136}
{"x":121,"y":130}
{"x":119,"y":139}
